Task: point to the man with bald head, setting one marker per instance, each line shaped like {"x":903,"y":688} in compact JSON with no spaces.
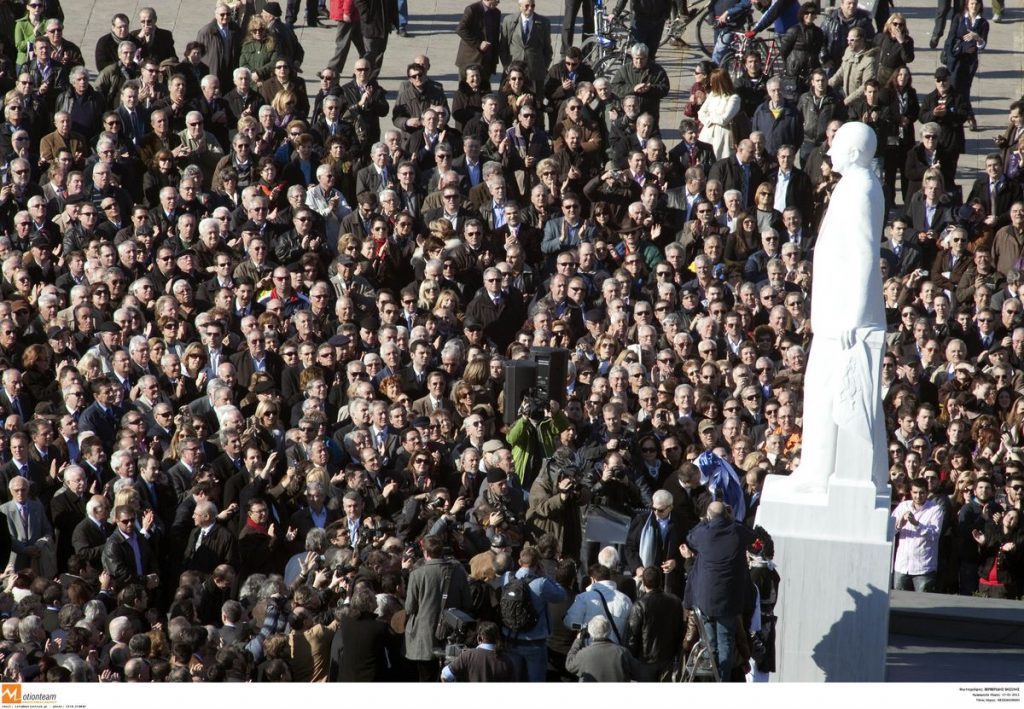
{"x":720,"y":578}
{"x":210,"y":544}
{"x":67,"y":509}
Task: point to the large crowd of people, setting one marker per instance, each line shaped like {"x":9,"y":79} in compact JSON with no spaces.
{"x":254,"y":340}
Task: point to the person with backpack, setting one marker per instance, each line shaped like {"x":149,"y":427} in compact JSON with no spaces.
{"x":523,"y":612}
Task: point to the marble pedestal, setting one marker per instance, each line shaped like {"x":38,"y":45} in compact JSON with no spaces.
{"x":833,"y":552}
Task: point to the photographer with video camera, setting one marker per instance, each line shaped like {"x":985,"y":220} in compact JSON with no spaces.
{"x":436,"y":584}
{"x":534,"y":435}
{"x":615,"y":488}
{"x":556,"y":497}
{"x":507,"y":507}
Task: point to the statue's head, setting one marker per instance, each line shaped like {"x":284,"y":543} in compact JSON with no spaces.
{"x":853,"y":144}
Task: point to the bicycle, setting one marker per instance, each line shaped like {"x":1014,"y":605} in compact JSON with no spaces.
{"x":739,"y":45}
{"x":608,"y":48}
{"x":696,"y":15}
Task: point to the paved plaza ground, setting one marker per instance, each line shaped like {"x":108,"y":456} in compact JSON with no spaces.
{"x":432,"y":31}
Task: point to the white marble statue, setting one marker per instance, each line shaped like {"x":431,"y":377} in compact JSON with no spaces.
{"x":843,"y":424}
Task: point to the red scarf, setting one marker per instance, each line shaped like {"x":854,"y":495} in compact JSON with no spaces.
{"x":261,"y":528}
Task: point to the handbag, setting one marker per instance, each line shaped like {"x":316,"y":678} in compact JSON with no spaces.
{"x":441,"y":629}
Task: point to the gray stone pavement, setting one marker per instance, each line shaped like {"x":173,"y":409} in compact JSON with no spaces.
{"x":432,"y":31}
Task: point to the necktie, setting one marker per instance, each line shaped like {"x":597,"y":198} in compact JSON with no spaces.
{"x":133,"y":542}
{"x":24,"y":519}
{"x":199,"y":542}
{"x":23,"y":470}
{"x":16,"y":405}
{"x":526,"y":30}
{"x":992,"y":188}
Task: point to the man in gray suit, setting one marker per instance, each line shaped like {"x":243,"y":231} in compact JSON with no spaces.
{"x":526,"y":37}
{"x":31,"y":533}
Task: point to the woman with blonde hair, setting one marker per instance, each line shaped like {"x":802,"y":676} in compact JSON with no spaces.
{"x":285,"y":105}
{"x":716,"y":115}
{"x":258,"y":50}
{"x":449,"y":300}
{"x":90,"y":367}
{"x":895,"y":47}
{"x":441,"y":229}
{"x":193,"y":362}
{"x":462,"y":399}
{"x":429,"y":291}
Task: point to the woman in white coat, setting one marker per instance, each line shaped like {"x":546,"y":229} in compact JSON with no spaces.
{"x":716,"y":115}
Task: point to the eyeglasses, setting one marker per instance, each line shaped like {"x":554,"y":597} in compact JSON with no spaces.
{"x":648,"y":450}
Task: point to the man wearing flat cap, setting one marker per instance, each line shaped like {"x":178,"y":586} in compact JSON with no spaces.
{"x":949,"y":110}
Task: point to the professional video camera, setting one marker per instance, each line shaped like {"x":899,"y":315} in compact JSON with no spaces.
{"x":533,"y":406}
{"x":460,"y":628}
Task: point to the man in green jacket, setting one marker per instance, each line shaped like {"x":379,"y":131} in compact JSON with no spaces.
{"x":534,"y":437}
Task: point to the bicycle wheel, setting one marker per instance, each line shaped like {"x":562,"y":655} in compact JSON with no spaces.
{"x":732,"y":62}
{"x":705,"y":33}
{"x":608,"y":65}
{"x":591,"y":49}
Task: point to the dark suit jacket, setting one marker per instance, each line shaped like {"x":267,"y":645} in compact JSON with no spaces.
{"x":798,"y":192}
{"x":915,"y":211}
{"x":218,"y":548}
{"x":103,"y":425}
{"x":410,"y":386}
{"x":66,"y":511}
{"x":25,"y":402}
{"x":368,"y":180}
{"x":37,"y":477}
{"x":666,"y":548}
{"x":916,"y":164}
{"x":166,"y":500}
{"x":119,"y":559}
{"x":159,"y":48}
{"x":1007,"y":192}
{"x":908,"y":260}
{"x":244,"y":366}
{"x":975,"y":344}
{"x":475,"y":27}
{"x":181,"y":480}
{"x":88,"y":541}
{"x":702,"y":156}
{"x":728,"y":172}
{"x":302,"y":520}
{"x":502,"y":321}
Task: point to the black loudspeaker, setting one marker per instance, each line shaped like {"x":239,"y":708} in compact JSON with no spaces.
{"x":520,"y":375}
{"x":552,"y":372}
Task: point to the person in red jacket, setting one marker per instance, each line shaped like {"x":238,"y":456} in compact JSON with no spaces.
{"x":347,"y":15}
